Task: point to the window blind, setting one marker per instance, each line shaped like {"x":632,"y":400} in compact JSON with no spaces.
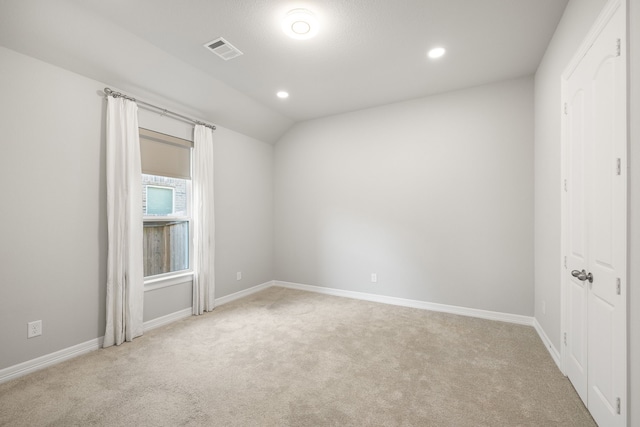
{"x":165,"y":155}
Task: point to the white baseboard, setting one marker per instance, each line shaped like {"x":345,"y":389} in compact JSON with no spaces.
{"x":50,"y":359}
{"x":463,"y":311}
{"x":242,"y":294}
{"x":555,"y":354}
{"x":165,"y":320}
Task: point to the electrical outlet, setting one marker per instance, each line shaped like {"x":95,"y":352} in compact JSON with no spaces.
{"x":239,"y":275}
{"x":374,"y":277}
{"x":34,"y":329}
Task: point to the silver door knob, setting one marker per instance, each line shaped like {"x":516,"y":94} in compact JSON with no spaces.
{"x":582,"y":275}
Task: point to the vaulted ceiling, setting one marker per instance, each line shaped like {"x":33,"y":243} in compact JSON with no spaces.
{"x":366,"y":53}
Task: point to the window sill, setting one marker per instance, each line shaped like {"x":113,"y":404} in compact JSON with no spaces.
{"x":154,"y":283}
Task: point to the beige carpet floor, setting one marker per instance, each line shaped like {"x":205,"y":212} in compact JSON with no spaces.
{"x":291,"y":358}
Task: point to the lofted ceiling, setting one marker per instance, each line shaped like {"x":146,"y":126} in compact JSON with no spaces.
{"x":367,"y":52}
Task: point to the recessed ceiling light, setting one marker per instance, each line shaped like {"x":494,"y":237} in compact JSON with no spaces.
{"x":436,"y":52}
{"x":282,"y":94}
{"x":300,"y":24}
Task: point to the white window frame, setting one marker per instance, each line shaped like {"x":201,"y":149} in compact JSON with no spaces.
{"x":173,"y":278}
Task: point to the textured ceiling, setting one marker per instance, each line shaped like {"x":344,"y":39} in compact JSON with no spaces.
{"x":367,"y":53}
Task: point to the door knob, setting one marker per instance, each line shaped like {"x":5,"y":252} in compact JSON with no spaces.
{"x":582,"y":275}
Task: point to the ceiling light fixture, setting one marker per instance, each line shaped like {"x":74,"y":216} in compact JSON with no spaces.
{"x":300,"y":24}
{"x":436,"y":52}
{"x":282,"y":94}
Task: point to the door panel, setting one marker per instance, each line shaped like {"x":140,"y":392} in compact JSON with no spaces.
{"x":577,"y":147}
{"x":595,"y":132}
{"x":604,"y":162}
{"x":576,"y":295}
{"x":576,"y":360}
{"x":607,"y":238}
{"x":603,"y":385}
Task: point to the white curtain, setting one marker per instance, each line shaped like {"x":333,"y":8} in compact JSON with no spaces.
{"x":125,"y":281}
{"x":203,"y":219}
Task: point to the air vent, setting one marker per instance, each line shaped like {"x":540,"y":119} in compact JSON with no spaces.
{"x":223,"y":49}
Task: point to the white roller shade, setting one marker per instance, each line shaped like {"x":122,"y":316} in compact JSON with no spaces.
{"x":165,"y":155}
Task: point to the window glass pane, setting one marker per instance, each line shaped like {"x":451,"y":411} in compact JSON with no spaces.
{"x":159,"y":200}
{"x":166,"y":247}
{"x":164,"y":196}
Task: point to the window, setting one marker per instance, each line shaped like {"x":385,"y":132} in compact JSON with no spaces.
{"x":166,"y":204}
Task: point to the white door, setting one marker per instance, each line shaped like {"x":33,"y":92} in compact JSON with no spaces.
{"x":595,"y":224}
{"x":576,"y":250}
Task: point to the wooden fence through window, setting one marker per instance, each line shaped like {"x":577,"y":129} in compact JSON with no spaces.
{"x":166,"y":246}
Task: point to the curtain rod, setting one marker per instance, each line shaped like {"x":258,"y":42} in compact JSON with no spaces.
{"x":164,"y":111}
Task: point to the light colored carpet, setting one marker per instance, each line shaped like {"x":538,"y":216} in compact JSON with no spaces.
{"x":291,"y":358}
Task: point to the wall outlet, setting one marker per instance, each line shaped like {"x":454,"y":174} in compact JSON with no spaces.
{"x":239,"y":275}
{"x":374,"y":277}
{"x":34,"y":329}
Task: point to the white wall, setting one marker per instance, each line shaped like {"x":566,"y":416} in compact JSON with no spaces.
{"x":52,"y":216}
{"x":573,"y":27}
{"x":434,"y":195}
{"x":244,"y":211}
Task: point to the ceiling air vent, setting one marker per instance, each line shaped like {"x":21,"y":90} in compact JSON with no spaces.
{"x":223,"y":49}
